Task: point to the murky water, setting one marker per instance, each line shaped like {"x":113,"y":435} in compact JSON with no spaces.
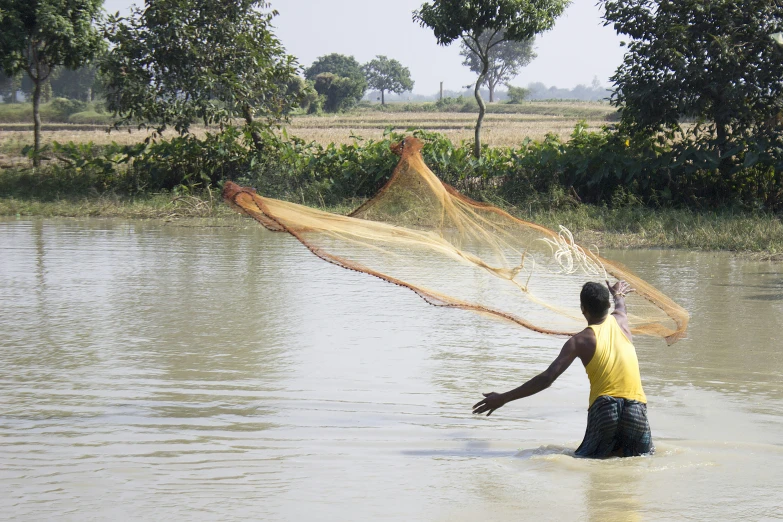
{"x":160,"y":372}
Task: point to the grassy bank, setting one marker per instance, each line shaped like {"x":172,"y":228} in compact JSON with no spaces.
{"x":755,"y":235}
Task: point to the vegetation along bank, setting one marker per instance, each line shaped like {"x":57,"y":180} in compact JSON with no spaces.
{"x":693,"y":159}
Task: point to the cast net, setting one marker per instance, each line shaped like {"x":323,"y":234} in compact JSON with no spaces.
{"x":420,"y":233}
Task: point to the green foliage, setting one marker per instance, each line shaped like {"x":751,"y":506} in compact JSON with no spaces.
{"x":484,"y":25}
{"x":607,"y":168}
{"x":64,"y":107}
{"x":519,"y":19}
{"x":711,"y":62}
{"x":174,"y":62}
{"x":339,"y":80}
{"x":517,"y":94}
{"x":38,"y":36}
{"x":79,"y":84}
{"x":304,"y":90}
{"x":53,"y":112}
{"x":339,"y":65}
{"x":338,"y":93}
{"x":384,"y":75}
{"x":506,"y":58}
{"x":91,"y":116}
{"x":9,"y":85}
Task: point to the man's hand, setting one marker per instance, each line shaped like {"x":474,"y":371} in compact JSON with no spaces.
{"x":619,"y":289}
{"x":491,"y":402}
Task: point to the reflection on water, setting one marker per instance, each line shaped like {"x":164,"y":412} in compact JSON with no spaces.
{"x":151,"y":371}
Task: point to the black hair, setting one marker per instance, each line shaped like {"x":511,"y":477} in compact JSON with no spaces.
{"x":595,"y":299}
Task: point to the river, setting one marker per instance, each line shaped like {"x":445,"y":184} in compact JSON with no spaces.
{"x":159,"y":371}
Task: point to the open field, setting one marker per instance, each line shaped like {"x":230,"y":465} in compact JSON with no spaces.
{"x":535,"y":120}
{"x":497,"y":129}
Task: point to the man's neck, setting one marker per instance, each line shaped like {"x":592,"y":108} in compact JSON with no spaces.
{"x":591,"y":320}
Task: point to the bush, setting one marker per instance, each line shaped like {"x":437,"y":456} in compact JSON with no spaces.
{"x":90,"y":117}
{"x":604,"y":168}
{"x":517,"y":94}
{"x":64,"y":107}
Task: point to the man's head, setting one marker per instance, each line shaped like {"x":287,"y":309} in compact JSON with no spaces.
{"x":595,"y":300}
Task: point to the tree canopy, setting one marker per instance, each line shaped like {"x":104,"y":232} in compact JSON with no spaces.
{"x":342,"y":82}
{"x":505,"y":59}
{"x":174,"y":62}
{"x":384,"y":74}
{"x":38,"y":36}
{"x":710,"y":61}
{"x":466,"y":20}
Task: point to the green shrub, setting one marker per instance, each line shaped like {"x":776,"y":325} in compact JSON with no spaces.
{"x":64,"y":107}
{"x":517,"y":94}
{"x":90,"y":117}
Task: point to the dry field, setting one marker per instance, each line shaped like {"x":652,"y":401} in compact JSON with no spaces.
{"x":498,"y":129}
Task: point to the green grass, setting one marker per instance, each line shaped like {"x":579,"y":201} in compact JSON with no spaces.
{"x":565,"y":109}
{"x":22,"y":113}
{"x":749,"y":233}
{"x":153,"y":206}
{"x":757,"y":235}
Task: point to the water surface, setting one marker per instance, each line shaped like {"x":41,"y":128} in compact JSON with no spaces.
{"x":151,"y":371}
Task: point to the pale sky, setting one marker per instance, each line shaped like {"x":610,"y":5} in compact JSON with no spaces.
{"x":576,"y":50}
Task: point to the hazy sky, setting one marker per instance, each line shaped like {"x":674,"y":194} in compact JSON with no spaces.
{"x":576,"y":50}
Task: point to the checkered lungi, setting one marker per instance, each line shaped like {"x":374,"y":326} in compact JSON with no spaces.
{"x":616,"y":425}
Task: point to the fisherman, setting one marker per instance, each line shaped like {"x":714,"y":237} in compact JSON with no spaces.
{"x":617,"y":416}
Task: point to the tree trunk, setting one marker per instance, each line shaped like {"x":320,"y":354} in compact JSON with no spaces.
{"x":36,"y":121}
{"x":725,"y":164}
{"x":383,"y":100}
{"x":491,"y":86}
{"x":254,"y":134}
{"x":482,"y":107}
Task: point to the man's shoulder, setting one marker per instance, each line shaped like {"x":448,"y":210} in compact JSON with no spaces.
{"x":584,"y":340}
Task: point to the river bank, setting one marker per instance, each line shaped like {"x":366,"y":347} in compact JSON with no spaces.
{"x":759,"y":236}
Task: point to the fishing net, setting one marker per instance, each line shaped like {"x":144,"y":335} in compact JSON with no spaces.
{"x":420,"y":233}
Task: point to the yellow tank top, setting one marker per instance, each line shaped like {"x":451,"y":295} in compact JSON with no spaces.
{"x":614,"y":369}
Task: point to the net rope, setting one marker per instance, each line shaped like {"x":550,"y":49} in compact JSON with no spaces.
{"x":422,"y":234}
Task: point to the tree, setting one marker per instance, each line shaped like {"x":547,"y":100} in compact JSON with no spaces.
{"x":516,"y":20}
{"x":340,"y":93}
{"x":38,"y":36}
{"x":174,"y":62}
{"x":345,"y":84}
{"x":9,"y":86}
{"x":384,"y":75}
{"x":517,"y":94}
{"x":79,"y":84}
{"x":711,"y":61}
{"x":505,"y":59}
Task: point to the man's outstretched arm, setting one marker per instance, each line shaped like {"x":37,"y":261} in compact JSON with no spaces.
{"x":542,"y":381}
{"x":619,"y":290}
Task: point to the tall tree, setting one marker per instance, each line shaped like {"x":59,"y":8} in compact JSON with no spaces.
{"x":468,"y":20}
{"x":9,"y":86}
{"x":711,"y":61}
{"x":384,"y":75}
{"x":174,"y":62}
{"x":505,"y":59}
{"x":36,"y":36}
{"x":78,"y":84}
{"x":342,"y":81}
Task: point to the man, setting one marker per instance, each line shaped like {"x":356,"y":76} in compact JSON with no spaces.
{"x":617,"y":415}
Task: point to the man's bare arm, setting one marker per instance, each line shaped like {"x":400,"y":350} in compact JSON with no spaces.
{"x":619,"y":290}
{"x":540,"y":382}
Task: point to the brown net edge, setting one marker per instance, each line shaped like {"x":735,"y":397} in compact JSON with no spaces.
{"x":232,"y":191}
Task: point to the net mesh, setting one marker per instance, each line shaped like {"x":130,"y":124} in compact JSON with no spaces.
{"x":420,"y":233}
